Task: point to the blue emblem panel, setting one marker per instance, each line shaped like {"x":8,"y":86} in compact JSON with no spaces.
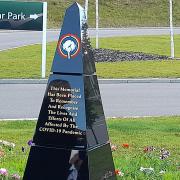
{"x":69,"y":46}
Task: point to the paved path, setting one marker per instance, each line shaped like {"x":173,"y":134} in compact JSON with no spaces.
{"x":12,"y":39}
{"x":119,"y":100}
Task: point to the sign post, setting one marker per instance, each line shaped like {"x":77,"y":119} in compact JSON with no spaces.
{"x":86,"y":8}
{"x":15,"y":15}
{"x":97,"y":24}
{"x":171,"y":28}
{"x":44,"y":40}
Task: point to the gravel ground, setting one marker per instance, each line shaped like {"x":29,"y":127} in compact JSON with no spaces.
{"x":108,"y":55}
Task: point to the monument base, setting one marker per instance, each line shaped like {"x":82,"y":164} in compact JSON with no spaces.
{"x":69,"y":164}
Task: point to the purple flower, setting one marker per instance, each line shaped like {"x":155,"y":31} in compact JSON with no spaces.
{"x":3,"y":172}
{"x":164,"y":154}
{"x":30,"y":142}
{"x":16,"y":177}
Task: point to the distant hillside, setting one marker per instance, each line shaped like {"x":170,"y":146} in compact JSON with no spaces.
{"x":119,"y":13}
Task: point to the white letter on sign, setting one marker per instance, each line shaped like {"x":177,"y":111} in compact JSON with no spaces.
{"x":23,"y":16}
{"x":10,"y":15}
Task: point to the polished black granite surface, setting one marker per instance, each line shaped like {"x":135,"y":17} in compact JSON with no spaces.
{"x":70,"y":164}
{"x":52,"y":163}
{"x":72,"y":52}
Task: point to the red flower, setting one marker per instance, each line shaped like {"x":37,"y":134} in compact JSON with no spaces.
{"x":117,"y":171}
{"x":125,"y":145}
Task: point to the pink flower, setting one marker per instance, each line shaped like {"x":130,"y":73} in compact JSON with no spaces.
{"x":149,"y":149}
{"x":3,"y":172}
{"x":113,"y":147}
{"x":2,"y":153}
{"x":16,"y":177}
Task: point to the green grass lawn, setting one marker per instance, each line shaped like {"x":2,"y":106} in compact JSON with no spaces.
{"x":147,"y":69}
{"x":25,"y":62}
{"x":121,"y":13}
{"x":148,"y":44}
{"x":162,"y":132}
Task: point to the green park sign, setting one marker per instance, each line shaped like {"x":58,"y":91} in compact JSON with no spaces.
{"x":17,"y":15}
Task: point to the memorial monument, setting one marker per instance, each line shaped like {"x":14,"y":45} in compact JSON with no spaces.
{"x":71,"y":140}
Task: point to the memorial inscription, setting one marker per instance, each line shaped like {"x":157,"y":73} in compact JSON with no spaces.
{"x":62,"y":107}
{"x":60,"y":120}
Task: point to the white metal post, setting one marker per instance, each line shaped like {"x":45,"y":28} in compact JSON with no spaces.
{"x":86,"y":9}
{"x":171,"y":28}
{"x":97,"y":24}
{"x":44,"y":40}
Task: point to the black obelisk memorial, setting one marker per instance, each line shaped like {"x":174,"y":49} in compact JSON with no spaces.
{"x":71,"y":140}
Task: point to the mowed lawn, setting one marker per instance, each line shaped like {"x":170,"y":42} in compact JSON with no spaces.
{"x":138,"y":134}
{"x":121,"y":13}
{"x":25,"y":62}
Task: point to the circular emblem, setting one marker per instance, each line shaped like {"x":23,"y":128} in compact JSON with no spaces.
{"x":69,"y":46}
